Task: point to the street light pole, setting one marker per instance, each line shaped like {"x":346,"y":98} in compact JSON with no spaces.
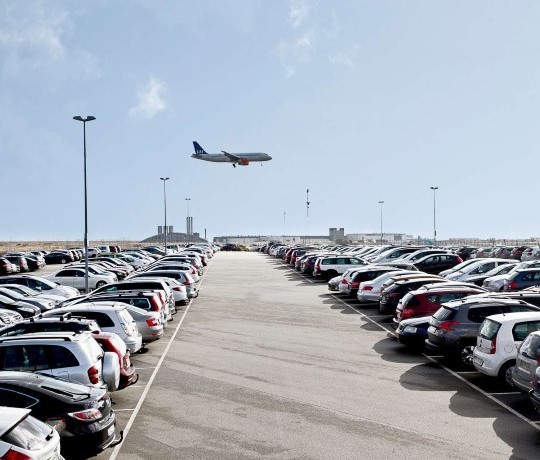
{"x":84,"y":120}
{"x":434,"y":217}
{"x":165,"y":179}
{"x":381,"y":203}
{"x":188,"y":222}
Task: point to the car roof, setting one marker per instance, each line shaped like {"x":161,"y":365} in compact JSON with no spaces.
{"x":514,"y":317}
{"x":66,"y":336}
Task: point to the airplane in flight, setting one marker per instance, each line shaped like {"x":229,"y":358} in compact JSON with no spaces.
{"x":242,"y":159}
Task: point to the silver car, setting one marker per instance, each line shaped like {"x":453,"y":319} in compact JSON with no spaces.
{"x":526,"y":362}
{"x":149,"y":323}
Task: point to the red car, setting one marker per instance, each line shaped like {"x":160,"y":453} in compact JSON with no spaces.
{"x":111,"y":342}
{"x":428,"y":299}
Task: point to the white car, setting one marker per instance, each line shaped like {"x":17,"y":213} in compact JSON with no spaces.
{"x":41,"y":284}
{"x":25,"y":437}
{"x":479,"y":267}
{"x":370,"y":291}
{"x":499,"y":339}
{"x":110,"y":317}
{"x":75,"y":277}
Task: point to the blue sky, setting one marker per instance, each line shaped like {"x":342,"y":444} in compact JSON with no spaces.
{"x":359,"y":101}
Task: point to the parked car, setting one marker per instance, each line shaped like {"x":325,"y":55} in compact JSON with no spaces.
{"x":436,"y":263}
{"x":70,"y":355}
{"x":6,"y":267}
{"x":412,"y":332}
{"x":498,"y":341}
{"x":41,"y":284}
{"x":180,"y":276}
{"x":26,"y":291}
{"x":25,"y":437}
{"x":454,"y":327}
{"x":110,"y":316}
{"x":370,"y":291}
{"x":458,"y":267}
{"x":496,"y":282}
{"x":58,"y":257}
{"x":391,"y":295}
{"x":76,"y":278}
{"x":477,"y":268}
{"x":369,"y":273}
{"x":521,"y":279}
{"x":42,"y":304}
{"x":497,"y":271}
{"x":19,"y":261}
{"x":55,"y":324}
{"x":328,"y":267}
{"x":82,"y":416}
{"x":528,"y":253}
{"x":110,"y":342}
{"x":527,"y":362}
{"x":26,"y":310}
{"x":427,"y":299}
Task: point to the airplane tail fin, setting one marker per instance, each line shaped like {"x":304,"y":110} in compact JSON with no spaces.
{"x":198,"y":149}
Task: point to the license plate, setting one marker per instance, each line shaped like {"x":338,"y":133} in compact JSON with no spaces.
{"x":110,"y":430}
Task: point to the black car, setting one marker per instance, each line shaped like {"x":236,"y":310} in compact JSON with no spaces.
{"x":465,"y":252}
{"x":82,"y":415}
{"x":58,"y":257}
{"x":436,"y":263}
{"x":66,"y":322}
{"x":453,"y":329}
{"x":24,"y":309}
{"x":391,"y":296}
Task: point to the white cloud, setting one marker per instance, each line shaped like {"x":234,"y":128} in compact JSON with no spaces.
{"x":32,"y":35}
{"x":150,"y":100}
{"x":298,"y":12}
{"x":341,"y":59}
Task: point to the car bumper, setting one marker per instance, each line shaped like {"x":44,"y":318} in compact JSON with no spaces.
{"x":128,"y":377}
{"x":134,"y":344}
{"x":433,"y":347}
{"x":485,"y":364}
{"x":90,"y":437}
{"x":535,"y":399}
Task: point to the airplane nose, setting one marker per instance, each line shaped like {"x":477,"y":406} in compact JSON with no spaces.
{"x":269,"y":157}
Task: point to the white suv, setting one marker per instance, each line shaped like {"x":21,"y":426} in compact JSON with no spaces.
{"x":499,"y":339}
{"x":330,"y":266}
{"x":73,"y":356}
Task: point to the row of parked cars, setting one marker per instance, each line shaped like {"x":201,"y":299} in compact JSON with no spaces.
{"x":63,"y":352}
{"x":481,"y":313}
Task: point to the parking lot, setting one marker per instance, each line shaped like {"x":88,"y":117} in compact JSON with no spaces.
{"x":269,"y":363}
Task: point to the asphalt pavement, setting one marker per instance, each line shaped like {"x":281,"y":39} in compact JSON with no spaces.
{"x":267,"y":363}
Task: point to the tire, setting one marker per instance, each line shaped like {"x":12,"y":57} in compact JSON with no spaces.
{"x":328,"y":275}
{"x":464,"y":354}
{"x":63,"y":261}
{"x":100,"y":283}
{"x":111,"y":370}
{"x":505,"y":373}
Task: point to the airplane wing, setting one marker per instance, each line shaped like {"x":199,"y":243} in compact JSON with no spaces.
{"x":230,"y":156}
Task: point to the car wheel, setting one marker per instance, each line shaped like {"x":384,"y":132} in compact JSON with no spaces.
{"x":505,"y":373}
{"x":63,"y":261}
{"x":330,"y":274}
{"x":100,"y":283}
{"x":465,"y":354}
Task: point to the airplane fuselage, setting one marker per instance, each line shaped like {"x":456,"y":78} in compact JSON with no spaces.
{"x":222,"y":158}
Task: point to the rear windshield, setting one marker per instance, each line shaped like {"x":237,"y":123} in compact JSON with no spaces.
{"x":444,"y":314}
{"x":489,"y":329}
{"x":530,"y":346}
{"x":30,"y":434}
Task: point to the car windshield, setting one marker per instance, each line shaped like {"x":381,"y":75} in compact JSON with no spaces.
{"x":489,"y":329}
{"x":531,"y":346}
{"x":29,"y":434}
{"x":444,"y":313}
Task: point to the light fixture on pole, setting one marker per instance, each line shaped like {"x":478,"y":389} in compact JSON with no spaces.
{"x":381,"y":203}
{"x":84,"y":120}
{"x":165,"y":179}
{"x":189,"y":228}
{"x":434,"y":217}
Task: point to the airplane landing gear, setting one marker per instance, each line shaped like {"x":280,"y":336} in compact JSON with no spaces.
{"x":234,"y":165}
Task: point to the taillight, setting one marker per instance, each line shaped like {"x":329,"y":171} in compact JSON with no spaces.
{"x":162,"y":296}
{"x":459,"y":260}
{"x":156,"y":306}
{"x":193,"y":271}
{"x":513,"y":285}
{"x":367,"y":288}
{"x":447,"y":325}
{"x":344,"y":281}
{"x":152,"y":322}
{"x":407,"y":312}
{"x":178,"y":289}
{"x":93,"y":375}
{"x":355,"y":284}
{"x":13,"y":455}
{"x":493,"y":346}
{"x":88,"y":415}
{"x":187,"y":283}
{"x":318,"y":265}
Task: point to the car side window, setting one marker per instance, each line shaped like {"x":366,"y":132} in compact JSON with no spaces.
{"x":479,"y":314}
{"x":13,"y":398}
{"x":102,"y":319}
{"x":27,"y":358}
{"x":61,"y":357}
{"x":341,"y":261}
{"x":66,"y":273}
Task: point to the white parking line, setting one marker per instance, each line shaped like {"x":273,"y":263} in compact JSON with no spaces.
{"x":504,"y":393}
{"x":123,"y":410}
{"x":143,"y":368}
{"x":451,"y":372}
{"x":149,"y":384}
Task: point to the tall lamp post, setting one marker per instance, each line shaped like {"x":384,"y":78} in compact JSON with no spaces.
{"x":165,"y":179}
{"x":434,"y":217}
{"x":381,"y":203}
{"x":189,"y":229}
{"x":84,"y":120}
